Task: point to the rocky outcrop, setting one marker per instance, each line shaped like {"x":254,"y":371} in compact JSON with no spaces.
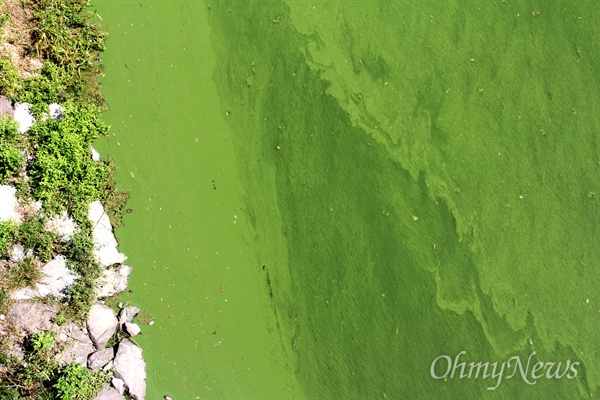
{"x":56,"y":278}
{"x":105,"y":243}
{"x":113,"y":281}
{"x":32,"y":317}
{"x":131,"y":368}
{"x":101,"y":324}
{"x":77,"y":345}
{"x":99,"y":359}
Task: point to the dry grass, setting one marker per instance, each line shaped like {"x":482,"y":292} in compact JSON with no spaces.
{"x":15,"y":41}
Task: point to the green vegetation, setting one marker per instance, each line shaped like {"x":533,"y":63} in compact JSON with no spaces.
{"x":63,"y":175}
{"x":21,"y":275}
{"x":68,"y":41}
{"x":39,"y":376}
{"x":8,"y":231}
{"x":78,"y":383}
{"x":11,"y":158}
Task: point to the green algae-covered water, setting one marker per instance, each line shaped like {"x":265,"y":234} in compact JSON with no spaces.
{"x":330,"y":196}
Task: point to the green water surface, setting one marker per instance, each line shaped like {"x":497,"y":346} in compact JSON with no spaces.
{"x":329,"y":195}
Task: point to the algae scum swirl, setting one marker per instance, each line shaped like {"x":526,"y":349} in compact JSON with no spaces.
{"x":361,"y":200}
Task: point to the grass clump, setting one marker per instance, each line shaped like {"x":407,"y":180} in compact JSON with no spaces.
{"x":20,"y":275}
{"x":8,"y":232}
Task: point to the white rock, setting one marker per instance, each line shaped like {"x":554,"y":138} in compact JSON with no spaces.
{"x":56,"y":111}
{"x":131,"y":329}
{"x":101,"y":324}
{"x":56,"y":277}
{"x":8,"y":204}
{"x":23,"y":116}
{"x":113,"y":281}
{"x":131,"y":368}
{"x":118,"y":384}
{"x":105,"y":243}
{"x":63,"y":225}
{"x":95,"y":154}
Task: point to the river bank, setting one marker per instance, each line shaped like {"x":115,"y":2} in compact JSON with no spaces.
{"x":63,"y":335}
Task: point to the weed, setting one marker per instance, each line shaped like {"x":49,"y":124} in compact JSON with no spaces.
{"x":20,"y":275}
{"x":11,"y":161}
{"x":114,"y":200}
{"x":9,"y":129}
{"x":81,"y":297}
{"x":144,"y":317}
{"x":8,"y":232}
{"x":43,"y":341}
{"x":9,"y":79}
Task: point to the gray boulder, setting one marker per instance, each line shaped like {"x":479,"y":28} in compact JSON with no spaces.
{"x":77,"y":345}
{"x":131,"y":368}
{"x":101,"y":324}
{"x":128,"y":314}
{"x":100,"y":358}
{"x":109,"y":393}
{"x":32,"y":317}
